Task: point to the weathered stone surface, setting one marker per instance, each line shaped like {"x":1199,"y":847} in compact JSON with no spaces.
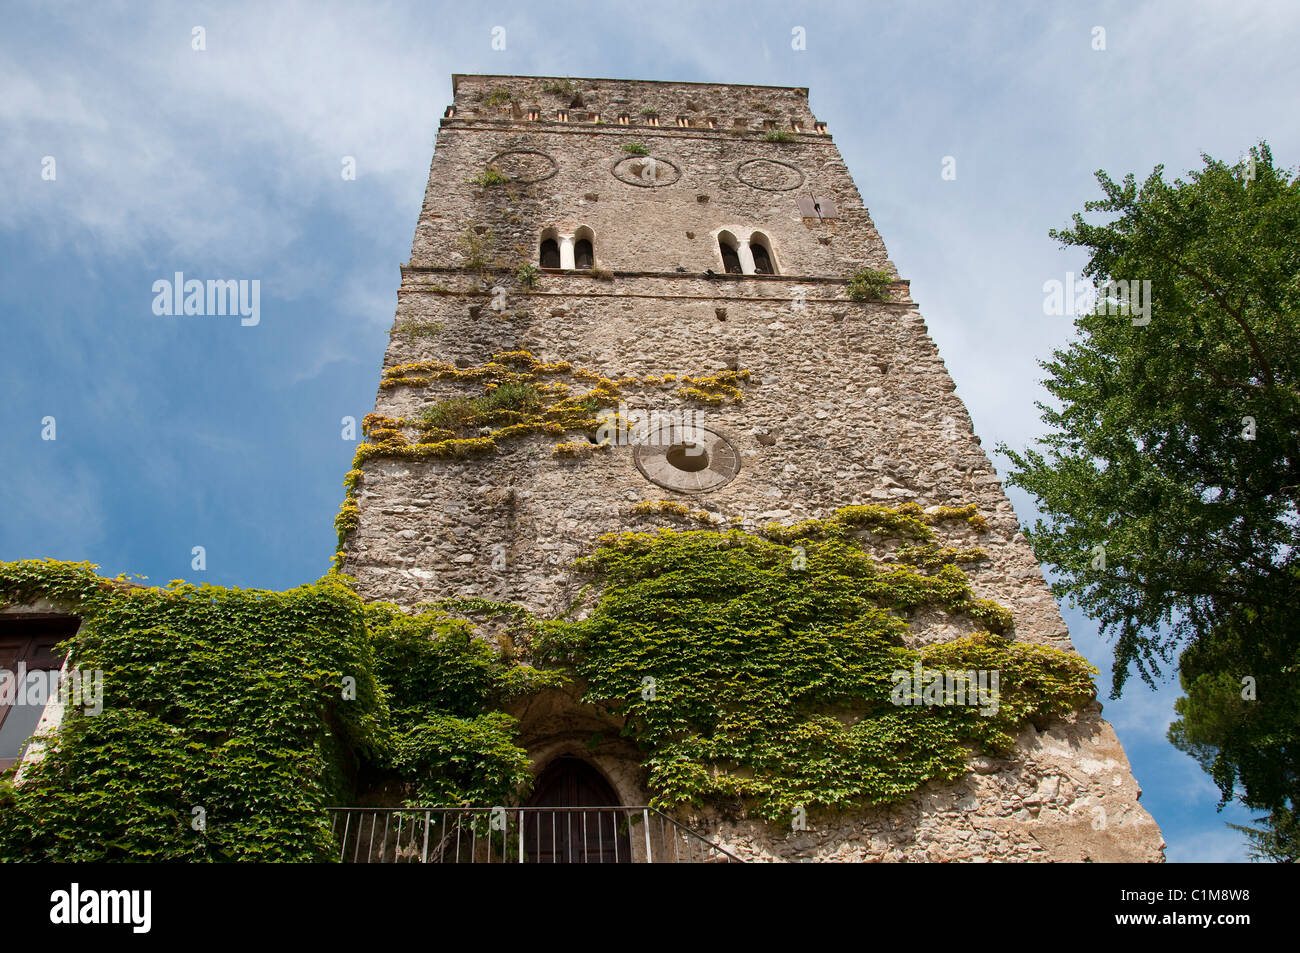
{"x":848,"y":403}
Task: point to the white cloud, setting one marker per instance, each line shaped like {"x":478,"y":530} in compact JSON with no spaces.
{"x":216,"y":154}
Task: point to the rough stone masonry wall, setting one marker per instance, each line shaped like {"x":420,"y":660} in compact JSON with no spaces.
{"x":848,"y":403}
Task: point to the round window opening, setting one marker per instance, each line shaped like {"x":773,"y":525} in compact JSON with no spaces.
{"x":688,"y":457}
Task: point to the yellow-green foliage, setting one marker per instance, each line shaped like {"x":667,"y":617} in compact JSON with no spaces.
{"x":449,"y":415}
{"x":516,"y":401}
{"x":932,"y":557}
{"x":496,"y":371}
{"x":721,"y":388}
{"x":578,"y":448}
{"x":414,"y":329}
{"x":346,"y":520}
{"x":349,"y":514}
{"x":380,"y":422}
{"x":520,"y":398}
{"x":772,"y":662}
{"x":906,"y":521}
{"x":387,"y":436}
{"x":442,"y":450}
{"x":672,"y":508}
{"x":936,"y":514}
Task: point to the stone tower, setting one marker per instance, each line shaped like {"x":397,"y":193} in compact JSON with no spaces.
{"x":635,"y":231}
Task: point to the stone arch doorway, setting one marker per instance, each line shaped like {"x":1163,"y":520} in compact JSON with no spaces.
{"x":557,"y":833}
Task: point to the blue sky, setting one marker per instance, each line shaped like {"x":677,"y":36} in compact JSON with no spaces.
{"x":225,"y":163}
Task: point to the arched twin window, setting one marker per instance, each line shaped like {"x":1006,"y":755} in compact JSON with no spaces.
{"x":730,"y":256}
{"x":550,"y":256}
{"x":752,"y":257}
{"x":577,"y":252}
{"x":762,"y":256}
{"x":568,"y":252}
{"x":584,"y":249}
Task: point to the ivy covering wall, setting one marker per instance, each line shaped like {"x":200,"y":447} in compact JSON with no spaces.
{"x":258,"y":709}
{"x":755,"y":670}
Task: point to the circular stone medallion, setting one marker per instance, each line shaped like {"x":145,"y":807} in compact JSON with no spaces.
{"x":770,"y":175}
{"x":524,"y":165}
{"x":648,"y":172}
{"x":691,"y":459}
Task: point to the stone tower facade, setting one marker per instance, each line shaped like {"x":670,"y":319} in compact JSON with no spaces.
{"x":698,"y":231}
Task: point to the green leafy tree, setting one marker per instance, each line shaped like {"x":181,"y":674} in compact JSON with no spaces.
{"x":1170,"y":471}
{"x":1240,"y":719}
{"x":1173,"y":445}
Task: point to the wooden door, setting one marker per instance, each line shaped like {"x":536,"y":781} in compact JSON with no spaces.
{"x":575,"y":836}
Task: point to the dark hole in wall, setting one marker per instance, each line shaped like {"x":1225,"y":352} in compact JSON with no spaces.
{"x":730,"y":259}
{"x":583,"y":256}
{"x":550,"y":255}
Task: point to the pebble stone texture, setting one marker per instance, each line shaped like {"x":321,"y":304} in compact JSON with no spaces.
{"x":847,"y":403}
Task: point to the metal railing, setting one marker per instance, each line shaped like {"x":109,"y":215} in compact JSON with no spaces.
{"x":518,"y":835}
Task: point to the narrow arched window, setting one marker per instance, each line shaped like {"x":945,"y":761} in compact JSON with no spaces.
{"x":583,"y":257}
{"x":550,"y":257}
{"x":762,"y":255}
{"x":730,"y":257}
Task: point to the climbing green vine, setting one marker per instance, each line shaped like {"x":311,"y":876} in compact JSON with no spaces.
{"x":757,"y":669}
{"x":231,"y":718}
